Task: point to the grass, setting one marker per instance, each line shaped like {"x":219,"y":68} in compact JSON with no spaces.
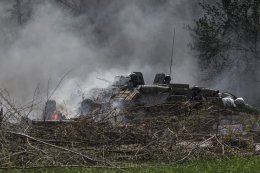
{"x":234,"y":165}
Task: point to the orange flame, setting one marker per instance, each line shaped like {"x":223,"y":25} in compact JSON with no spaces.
{"x":56,"y":116}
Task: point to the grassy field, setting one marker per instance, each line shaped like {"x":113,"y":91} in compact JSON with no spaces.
{"x":235,"y":165}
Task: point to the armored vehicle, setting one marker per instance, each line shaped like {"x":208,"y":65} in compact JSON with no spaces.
{"x":132,"y":90}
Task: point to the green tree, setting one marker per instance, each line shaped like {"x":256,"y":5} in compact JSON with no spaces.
{"x":226,"y":39}
{"x":21,"y":10}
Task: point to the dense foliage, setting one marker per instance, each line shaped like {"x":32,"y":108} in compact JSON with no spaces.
{"x":226,"y":39}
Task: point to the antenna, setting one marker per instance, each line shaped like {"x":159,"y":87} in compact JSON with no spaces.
{"x":173,"y":41}
{"x":107,"y":81}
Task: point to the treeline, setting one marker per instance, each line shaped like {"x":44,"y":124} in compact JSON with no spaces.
{"x":21,"y":10}
{"x":226,"y":40}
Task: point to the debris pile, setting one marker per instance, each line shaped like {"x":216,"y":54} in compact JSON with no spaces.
{"x":169,"y":132}
{"x":131,"y":122}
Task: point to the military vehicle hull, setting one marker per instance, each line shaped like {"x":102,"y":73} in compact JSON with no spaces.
{"x":131,"y":91}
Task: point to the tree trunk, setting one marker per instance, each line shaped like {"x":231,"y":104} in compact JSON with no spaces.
{"x":18,"y":11}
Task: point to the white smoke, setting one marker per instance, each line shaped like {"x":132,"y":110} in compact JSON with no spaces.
{"x":120,"y":38}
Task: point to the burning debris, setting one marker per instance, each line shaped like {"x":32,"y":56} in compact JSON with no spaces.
{"x":51,"y":112}
{"x":133,"y":121}
{"x":168,"y":132}
{"x":131,"y":91}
